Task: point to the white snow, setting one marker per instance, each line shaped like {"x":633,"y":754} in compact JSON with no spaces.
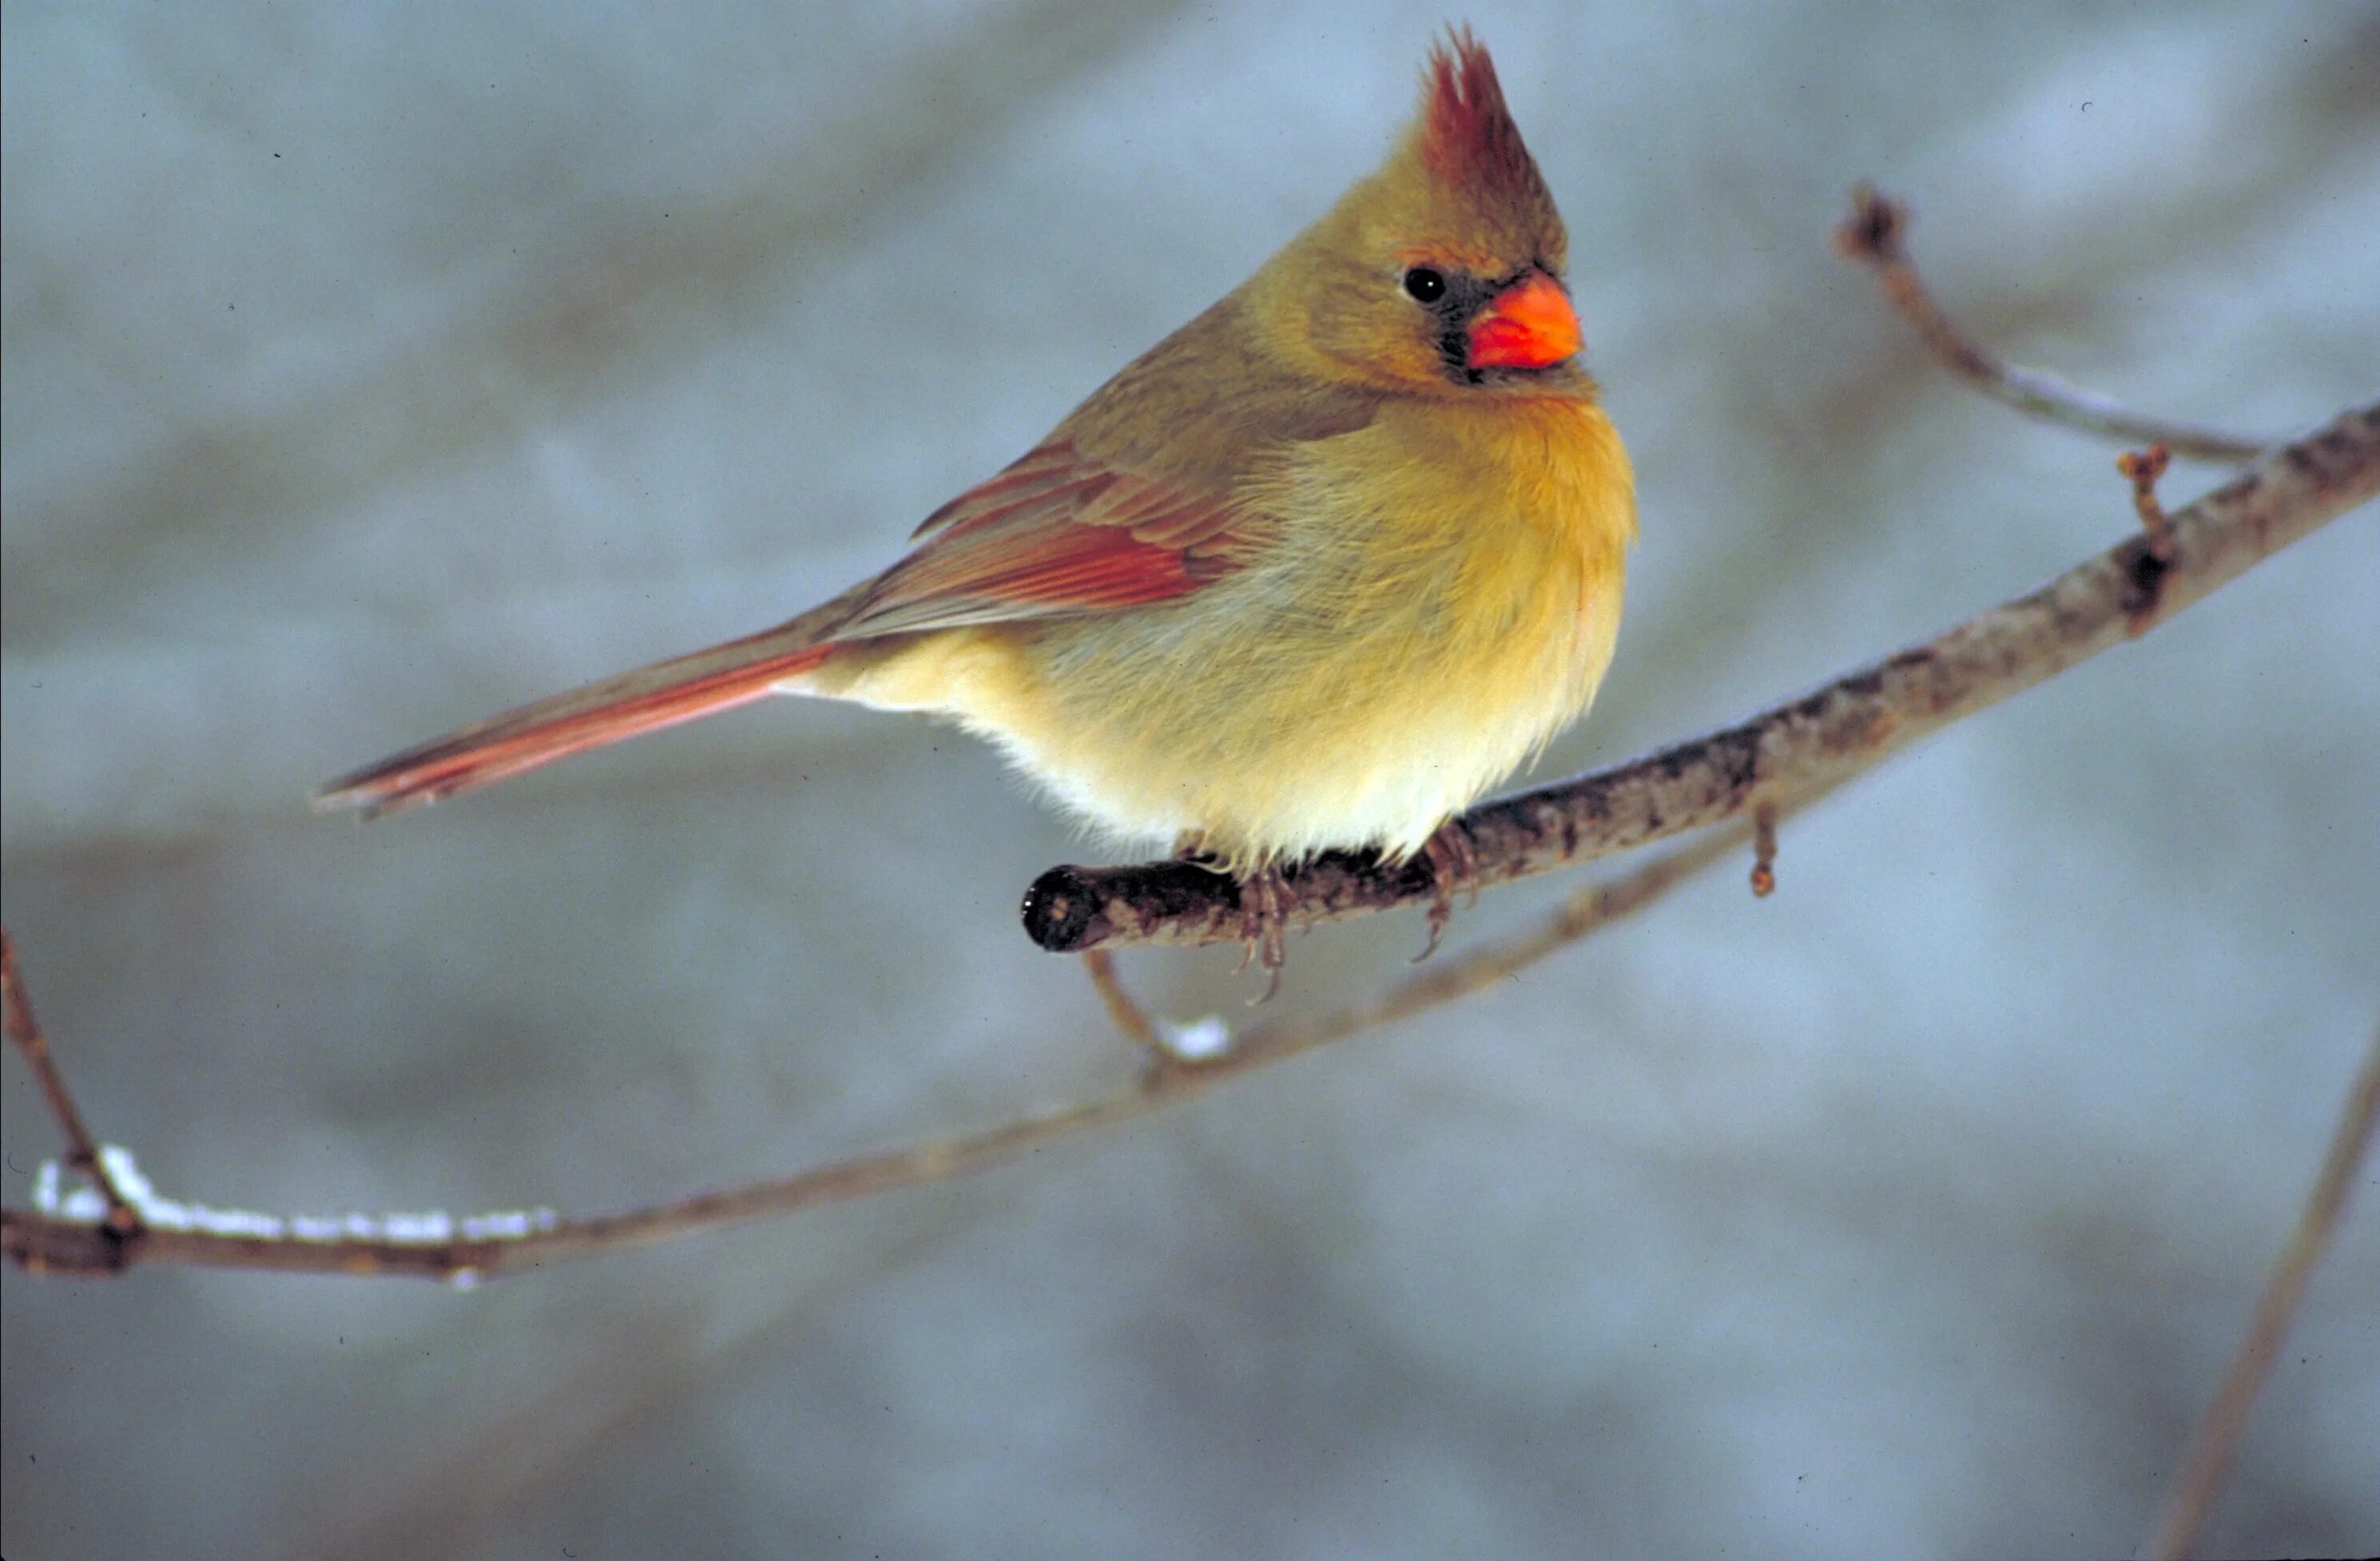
{"x":430,"y":1229}
{"x":1197,"y":1040}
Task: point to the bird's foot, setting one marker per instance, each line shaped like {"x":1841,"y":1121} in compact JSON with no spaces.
{"x":1453,"y":866}
{"x":1264,"y":900}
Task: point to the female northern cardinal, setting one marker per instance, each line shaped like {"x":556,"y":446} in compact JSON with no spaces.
{"x":1315,"y":571}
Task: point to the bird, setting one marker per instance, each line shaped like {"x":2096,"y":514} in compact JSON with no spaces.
{"x":1315,"y":572}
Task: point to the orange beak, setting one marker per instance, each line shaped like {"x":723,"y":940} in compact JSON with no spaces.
{"x":1528,"y":325}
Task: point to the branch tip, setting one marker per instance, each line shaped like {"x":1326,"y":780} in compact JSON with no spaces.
{"x":1764,"y":850}
{"x":1875,"y":235}
{"x":1872,"y":234}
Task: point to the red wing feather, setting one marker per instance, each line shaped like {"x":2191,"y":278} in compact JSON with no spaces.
{"x":1052,"y":536}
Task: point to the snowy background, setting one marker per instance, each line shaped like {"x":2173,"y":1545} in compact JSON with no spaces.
{"x":371,"y":368}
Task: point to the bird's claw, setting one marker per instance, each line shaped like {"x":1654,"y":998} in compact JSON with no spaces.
{"x":1454,"y":864}
{"x":1264,"y":900}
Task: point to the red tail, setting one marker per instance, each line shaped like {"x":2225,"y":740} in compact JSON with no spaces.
{"x":645,"y":700}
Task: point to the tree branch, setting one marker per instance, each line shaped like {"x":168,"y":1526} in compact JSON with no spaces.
{"x":64,"y":1238}
{"x":1785,"y":752}
{"x":83,"y":1156}
{"x":2209,"y":1458}
{"x":1874,"y":234}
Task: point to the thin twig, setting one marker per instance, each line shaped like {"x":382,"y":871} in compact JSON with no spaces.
{"x":82,"y":1156}
{"x":1847,"y":726}
{"x":2141,"y":468}
{"x":2218,"y":1437}
{"x":50,"y":1243}
{"x":1764,"y":850}
{"x":1875,"y":235}
{"x":1127,"y":1014}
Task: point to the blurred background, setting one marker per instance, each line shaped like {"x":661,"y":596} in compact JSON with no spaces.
{"x":369,"y":368}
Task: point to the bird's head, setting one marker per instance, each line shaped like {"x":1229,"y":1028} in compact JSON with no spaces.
{"x":1442,"y":271}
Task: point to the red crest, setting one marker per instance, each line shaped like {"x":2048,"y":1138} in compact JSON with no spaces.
{"x":1468,"y":137}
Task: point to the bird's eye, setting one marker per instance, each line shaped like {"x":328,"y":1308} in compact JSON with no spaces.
{"x":1425,"y":285}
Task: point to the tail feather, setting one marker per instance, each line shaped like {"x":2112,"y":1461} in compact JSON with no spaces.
{"x":627,"y":706}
